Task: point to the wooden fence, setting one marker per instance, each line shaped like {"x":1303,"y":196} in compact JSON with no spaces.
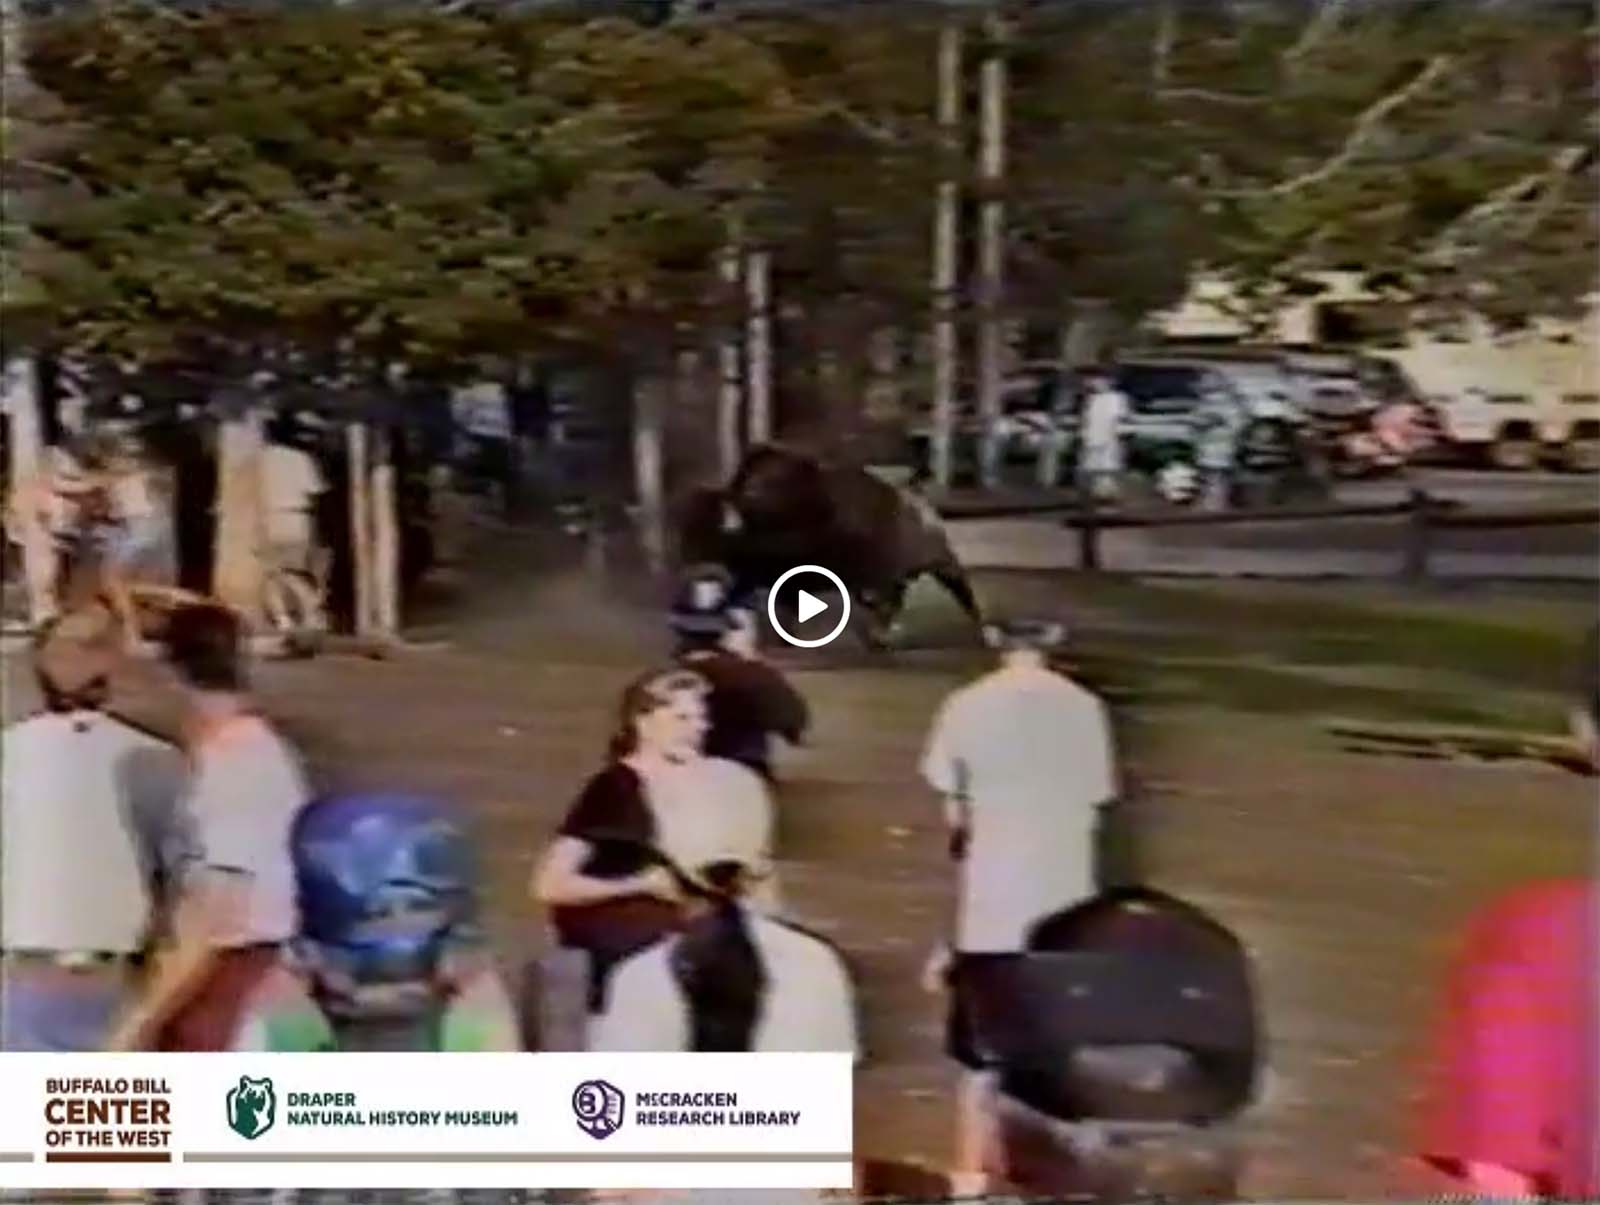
{"x":1425,"y":515}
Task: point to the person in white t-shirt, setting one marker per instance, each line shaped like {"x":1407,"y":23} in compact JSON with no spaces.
{"x":1025,"y":762}
{"x":290,"y":485}
{"x":1100,"y":460}
{"x":237,"y":906}
{"x":85,"y":809}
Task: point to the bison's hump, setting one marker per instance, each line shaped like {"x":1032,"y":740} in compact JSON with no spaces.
{"x":907,"y":535}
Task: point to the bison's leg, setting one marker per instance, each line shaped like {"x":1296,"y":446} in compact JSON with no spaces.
{"x":954,"y":579}
{"x":881,"y":606}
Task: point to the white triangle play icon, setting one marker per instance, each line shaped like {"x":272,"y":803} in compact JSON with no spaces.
{"x":810,"y":605}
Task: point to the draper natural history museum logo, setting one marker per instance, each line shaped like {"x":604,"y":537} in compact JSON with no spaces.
{"x":252,"y":1107}
{"x":598,"y":1106}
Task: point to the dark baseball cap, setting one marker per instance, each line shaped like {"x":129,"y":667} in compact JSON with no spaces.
{"x":1131,"y":1006}
{"x":703,"y":603}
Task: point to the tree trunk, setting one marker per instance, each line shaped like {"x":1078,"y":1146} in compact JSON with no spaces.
{"x":385,"y":539}
{"x":237,"y":575}
{"x":991,"y":246}
{"x":648,"y":477}
{"x":758,"y":343}
{"x":25,"y":507}
{"x":728,"y":398}
{"x":945,"y":242}
{"x":360,"y":526}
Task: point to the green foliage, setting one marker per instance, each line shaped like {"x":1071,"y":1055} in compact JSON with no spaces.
{"x":382,"y":182}
{"x":394,"y":183}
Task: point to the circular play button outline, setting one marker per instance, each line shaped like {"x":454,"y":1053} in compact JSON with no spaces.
{"x":772,"y":607}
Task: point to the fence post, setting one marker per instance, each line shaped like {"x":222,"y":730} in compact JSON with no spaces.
{"x":1089,"y":535}
{"x":1418,"y":535}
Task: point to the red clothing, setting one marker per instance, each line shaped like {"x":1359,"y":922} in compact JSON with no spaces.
{"x":1517,"y":1080}
{"x":210,"y":1020}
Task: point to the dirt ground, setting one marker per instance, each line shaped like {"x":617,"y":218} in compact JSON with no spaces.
{"x":1348,"y":876}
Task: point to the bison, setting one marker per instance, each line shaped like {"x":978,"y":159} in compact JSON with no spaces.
{"x":784,"y":508}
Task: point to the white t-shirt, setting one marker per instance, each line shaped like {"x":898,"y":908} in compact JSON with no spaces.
{"x":709,"y":809}
{"x":289,"y":479}
{"x":86,"y":802}
{"x":130,"y":496}
{"x":289,"y":483}
{"x":244,"y":794}
{"x":1102,"y":429}
{"x":809,"y":1003}
{"x":482,"y":410}
{"x":1031,"y":752}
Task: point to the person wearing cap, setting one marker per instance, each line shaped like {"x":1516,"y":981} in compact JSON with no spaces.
{"x":607,"y":877}
{"x":732,"y":978}
{"x":1513,"y":1103}
{"x":237,"y":906}
{"x":751,"y":705}
{"x":87,"y":800}
{"x":1116,"y":1050}
{"x":1025,"y":762}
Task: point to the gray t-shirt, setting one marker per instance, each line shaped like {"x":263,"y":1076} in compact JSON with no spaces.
{"x":246,"y":789}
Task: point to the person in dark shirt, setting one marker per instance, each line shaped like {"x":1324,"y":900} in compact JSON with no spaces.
{"x":1117,"y":1052}
{"x":606,"y":878}
{"x":750,"y":702}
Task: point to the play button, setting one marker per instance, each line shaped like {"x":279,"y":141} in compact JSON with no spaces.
{"x":809,"y":606}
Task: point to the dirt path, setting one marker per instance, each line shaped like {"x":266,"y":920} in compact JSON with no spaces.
{"x":1347,"y":876}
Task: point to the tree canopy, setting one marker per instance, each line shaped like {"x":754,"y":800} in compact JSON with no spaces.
{"x":393,"y":183}
{"x":433,"y":183}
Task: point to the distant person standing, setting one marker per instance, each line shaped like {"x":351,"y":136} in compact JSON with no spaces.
{"x":482,"y":413}
{"x":1100,"y":461}
{"x":139,"y":537}
{"x":1219,"y":420}
{"x":237,"y":906}
{"x":291,"y":483}
{"x":751,"y":705}
{"x":1025,"y":762}
{"x":84,"y":811}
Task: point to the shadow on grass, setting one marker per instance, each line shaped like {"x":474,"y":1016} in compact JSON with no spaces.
{"x":1501,"y":641}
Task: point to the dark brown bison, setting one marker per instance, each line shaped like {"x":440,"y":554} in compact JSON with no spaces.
{"x":784,"y":508}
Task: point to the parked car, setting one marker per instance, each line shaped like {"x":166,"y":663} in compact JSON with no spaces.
{"x":1168,"y":399}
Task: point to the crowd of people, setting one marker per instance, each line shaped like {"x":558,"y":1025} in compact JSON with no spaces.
{"x":109,"y":510}
{"x":1106,"y":1032}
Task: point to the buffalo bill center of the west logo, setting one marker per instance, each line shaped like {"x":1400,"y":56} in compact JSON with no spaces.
{"x":113,"y":1120}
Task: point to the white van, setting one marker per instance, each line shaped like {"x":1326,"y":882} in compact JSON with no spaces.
{"x":1514,"y":400}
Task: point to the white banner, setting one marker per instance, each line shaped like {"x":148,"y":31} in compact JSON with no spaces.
{"x":426,"y":1120}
